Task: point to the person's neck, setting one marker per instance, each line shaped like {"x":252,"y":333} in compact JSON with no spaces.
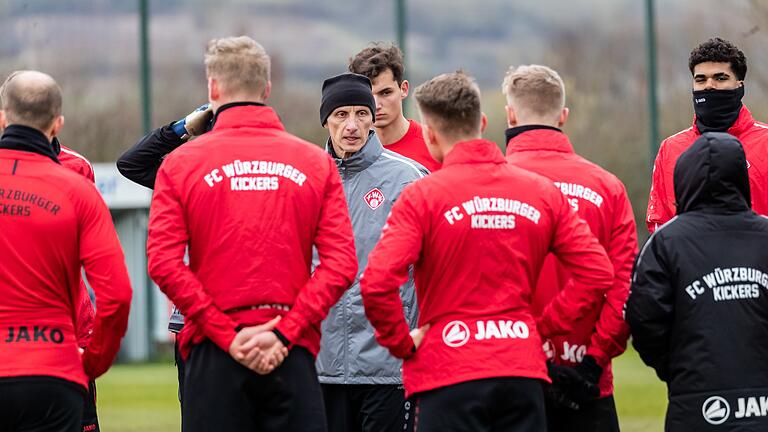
{"x":341,"y":154}
{"x":215,"y":105}
{"x":394,"y":131}
{"x":535,"y":122}
{"x":448,"y":145}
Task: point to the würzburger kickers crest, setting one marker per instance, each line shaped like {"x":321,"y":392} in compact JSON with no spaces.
{"x":374,"y":198}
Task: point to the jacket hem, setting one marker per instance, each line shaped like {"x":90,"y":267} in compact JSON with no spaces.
{"x":410,"y":390}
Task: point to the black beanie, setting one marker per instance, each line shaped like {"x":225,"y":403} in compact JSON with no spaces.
{"x":347,"y":89}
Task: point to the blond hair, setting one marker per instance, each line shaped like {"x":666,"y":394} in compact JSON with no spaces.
{"x":239,"y":64}
{"x":452,"y":101}
{"x":534,"y":91}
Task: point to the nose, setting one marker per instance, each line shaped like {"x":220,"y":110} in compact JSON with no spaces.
{"x":710,"y":84}
{"x":350,"y":124}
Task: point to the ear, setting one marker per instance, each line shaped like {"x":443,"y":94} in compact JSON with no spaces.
{"x":511,"y":116}
{"x":57,"y":125}
{"x":214,"y":93}
{"x":483,"y":123}
{"x":563,"y":117}
{"x":267,"y":90}
{"x":432,"y":134}
{"x":404,"y":88}
{"x":430,"y":140}
{"x":427,"y":133}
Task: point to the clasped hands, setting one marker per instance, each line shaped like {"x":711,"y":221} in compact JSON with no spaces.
{"x":258,"y":348}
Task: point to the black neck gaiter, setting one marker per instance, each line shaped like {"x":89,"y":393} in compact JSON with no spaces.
{"x":25,"y":138}
{"x":717,"y":110}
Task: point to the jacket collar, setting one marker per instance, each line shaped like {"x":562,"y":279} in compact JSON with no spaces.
{"x":24,"y":138}
{"x":537,"y":137}
{"x":361,"y":160}
{"x":56,"y":145}
{"x":246,"y":114}
{"x":474,"y":152}
{"x":741,"y":125}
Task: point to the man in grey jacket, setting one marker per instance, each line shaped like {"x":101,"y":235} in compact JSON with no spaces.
{"x":361,"y":381}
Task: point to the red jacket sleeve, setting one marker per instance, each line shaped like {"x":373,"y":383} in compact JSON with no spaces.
{"x":85,"y":312}
{"x":335,"y":244}
{"x":102,"y":257}
{"x":611,"y":331}
{"x":166,"y":245}
{"x":85,"y":317}
{"x":579,"y":251}
{"x":659,"y":211}
{"x":89,"y":173}
{"x":388,"y":263}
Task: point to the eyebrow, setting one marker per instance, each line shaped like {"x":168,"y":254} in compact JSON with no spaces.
{"x":717,"y":75}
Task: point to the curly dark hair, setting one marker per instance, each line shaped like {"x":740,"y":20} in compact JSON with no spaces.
{"x":377,"y":58}
{"x":720,"y":51}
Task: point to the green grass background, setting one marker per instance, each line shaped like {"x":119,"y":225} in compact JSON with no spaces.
{"x":143,"y":397}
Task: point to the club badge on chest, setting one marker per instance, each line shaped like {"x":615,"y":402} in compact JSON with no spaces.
{"x":374,"y":198}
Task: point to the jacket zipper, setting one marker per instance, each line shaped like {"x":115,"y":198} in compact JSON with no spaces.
{"x":346,"y":297}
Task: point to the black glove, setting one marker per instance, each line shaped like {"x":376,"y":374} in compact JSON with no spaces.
{"x":569,"y":388}
{"x":557,"y":395}
{"x":589,"y":369}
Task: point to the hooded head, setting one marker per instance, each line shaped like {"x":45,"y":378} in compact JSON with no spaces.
{"x":712,"y":174}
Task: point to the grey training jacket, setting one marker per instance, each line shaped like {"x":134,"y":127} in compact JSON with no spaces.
{"x":349,"y":354}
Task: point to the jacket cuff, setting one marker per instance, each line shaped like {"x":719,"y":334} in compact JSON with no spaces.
{"x":169,"y":136}
{"x":600,"y":357}
{"x":282,"y":338}
{"x":290,"y":327}
{"x":542,"y":325}
{"x":404,"y":347}
{"x":218,"y":327}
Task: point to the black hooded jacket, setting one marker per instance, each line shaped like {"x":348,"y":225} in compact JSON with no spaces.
{"x":141,"y":162}
{"x":698,"y":306}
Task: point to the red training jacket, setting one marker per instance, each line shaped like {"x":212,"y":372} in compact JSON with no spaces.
{"x":53,"y":223}
{"x":477,"y":233}
{"x":753,"y":136}
{"x":85,"y":314}
{"x":250,"y":200}
{"x":77,"y":163}
{"x":601,"y":200}
{"x":412,"y":146}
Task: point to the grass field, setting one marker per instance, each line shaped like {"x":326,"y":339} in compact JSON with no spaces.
{"x":143,"y":397}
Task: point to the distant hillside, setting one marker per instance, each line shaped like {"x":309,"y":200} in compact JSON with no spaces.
{"x":598,"y":46}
